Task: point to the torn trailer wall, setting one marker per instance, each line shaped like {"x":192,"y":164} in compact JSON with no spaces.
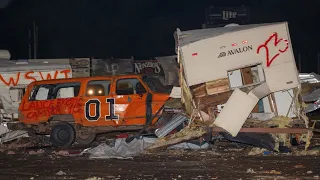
{"x":240,"y":77}
{"x":16,"y":75}
{"x":232,"y":74}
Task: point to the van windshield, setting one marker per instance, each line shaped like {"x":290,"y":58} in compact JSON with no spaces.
{"x":155,"y":85}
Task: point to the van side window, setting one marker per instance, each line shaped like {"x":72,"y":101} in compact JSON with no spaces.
{"x":130,"y":86}
{"x":98,"y":88}
{"x":66,"y":90}
{"x":41,"y":92}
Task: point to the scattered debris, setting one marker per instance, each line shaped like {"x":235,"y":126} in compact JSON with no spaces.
{"x":61,"y":173}
{"x":184,"y":135}
{"x":272,"y":172}
{"x":309,"y":172}
{"x":94,"y":178}
{"x":40,"y":151}
{"x":127,"y":148}
{"x":61,"y":153}
{"x":314,"y":152}
{"x":257,"y":151}
{"x":11,"y":152}
{"x":250,"y":170}
{"x":299,"y":166}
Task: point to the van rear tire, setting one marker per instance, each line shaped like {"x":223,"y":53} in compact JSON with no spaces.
{"x":86,"y":139}
{"x":62,"y":134}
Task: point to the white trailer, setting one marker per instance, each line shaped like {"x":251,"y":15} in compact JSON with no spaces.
{"x":16,"y":75}
{"x":209,"y":55}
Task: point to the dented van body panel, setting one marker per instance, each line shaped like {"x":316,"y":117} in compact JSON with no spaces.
{"x":92,"y":101}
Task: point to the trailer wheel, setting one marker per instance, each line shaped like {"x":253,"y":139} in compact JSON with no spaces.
{"x":86,"y":139}
{"x":62,"y":134}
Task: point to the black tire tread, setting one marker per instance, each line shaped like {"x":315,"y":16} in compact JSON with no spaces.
{"x":87,"y":141}
{"x":58,"y":143}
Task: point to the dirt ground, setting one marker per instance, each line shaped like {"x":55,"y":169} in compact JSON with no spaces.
{"x":217,"y":162}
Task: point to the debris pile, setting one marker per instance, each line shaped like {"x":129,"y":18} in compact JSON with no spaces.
{"x":228,"y":87}
{"x":252,"y":101}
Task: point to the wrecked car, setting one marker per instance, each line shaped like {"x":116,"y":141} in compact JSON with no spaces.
{"x":77,"y":109}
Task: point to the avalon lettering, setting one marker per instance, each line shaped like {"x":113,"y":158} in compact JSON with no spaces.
{"x":240,"y":50}
{"x":235,"y":51}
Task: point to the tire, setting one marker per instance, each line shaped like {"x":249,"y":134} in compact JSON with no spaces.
{"x":62,"y":134}
{"x":86,"y":139}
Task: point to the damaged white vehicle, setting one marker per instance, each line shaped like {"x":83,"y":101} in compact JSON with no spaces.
{"x":15,"y":75}
{"x":240,"y":79}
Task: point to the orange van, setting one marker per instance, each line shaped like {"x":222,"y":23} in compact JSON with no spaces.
{"x":77,"y":109}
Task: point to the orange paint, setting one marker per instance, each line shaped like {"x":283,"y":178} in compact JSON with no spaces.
{"x":104,"y":110}
{"x":49,"y":75}
{"x":65,"y":72}
{"x":14,"y":79}
{"x":28,"y":77}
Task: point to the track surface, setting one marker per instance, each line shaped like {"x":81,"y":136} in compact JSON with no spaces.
{"x":217,"y":163}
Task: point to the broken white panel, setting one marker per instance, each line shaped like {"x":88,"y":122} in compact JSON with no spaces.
{"x":282,"y":77}
{"x":235,"y":78}
{"x":176,"y":120}
{"x":12,"y":135}
{"x":238,"y":108}
{"x":309,"y":78}
{"x":3,"y":128}
{"x":283,"y":101}
{"x":312,"y":107}
{"x":175,"y":92}
{"x":313,"y":96}
{"x":236,"y":111}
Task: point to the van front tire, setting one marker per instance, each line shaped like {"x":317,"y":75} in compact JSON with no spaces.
{"x":62,"y":134}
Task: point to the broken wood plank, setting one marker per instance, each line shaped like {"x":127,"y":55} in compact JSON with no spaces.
{"x":217,"y":86}
{"x":184,"y":135}
{"x":199,"y":90}
{"x":213,"y":100}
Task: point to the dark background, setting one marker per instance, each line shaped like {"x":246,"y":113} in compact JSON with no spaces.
{"x":140,"y":28}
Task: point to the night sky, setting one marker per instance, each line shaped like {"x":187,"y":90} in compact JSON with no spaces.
{"x":140,"y":28}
